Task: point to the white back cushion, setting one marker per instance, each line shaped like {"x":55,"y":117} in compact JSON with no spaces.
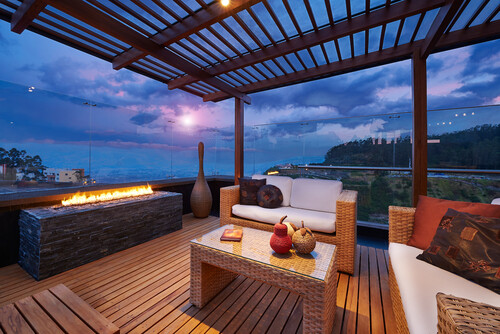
{"x":284,"y":183}
{"x":319,"y":195}
{"x":496,"y":201}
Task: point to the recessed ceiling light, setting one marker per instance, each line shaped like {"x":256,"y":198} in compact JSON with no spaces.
{"x":225,"y":3}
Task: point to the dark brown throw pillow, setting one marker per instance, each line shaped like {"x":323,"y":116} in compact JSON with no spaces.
{"x":269,"y":196}
{"x":249,"y":189}
{"x":469,"y":246}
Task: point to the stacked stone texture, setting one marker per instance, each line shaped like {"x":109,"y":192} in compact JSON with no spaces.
{"x":56,"y":239}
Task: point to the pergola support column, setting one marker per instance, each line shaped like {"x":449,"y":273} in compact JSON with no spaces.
{"x":239,"y":124}
{"x":419,"y":147}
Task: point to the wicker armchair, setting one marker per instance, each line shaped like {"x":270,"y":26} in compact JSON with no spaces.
{"x":401,"y":222}
{"x":344,"y":237}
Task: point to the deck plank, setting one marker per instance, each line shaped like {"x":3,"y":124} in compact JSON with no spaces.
{"x":230,"y":313}
{"x":376,"y":308}
{"x":363,"y":325}
{"x":13,"y":322}
{"x":245,"y":312}
{"x":146,"y":289}
{"x":342,"y":289}
{"x":90,"y":316}
{"x":279,"y":322}
{"x":38,"y":319}
{"x":351,"y":309}
{"x":295,"y":318}
{"x":61,"y":313}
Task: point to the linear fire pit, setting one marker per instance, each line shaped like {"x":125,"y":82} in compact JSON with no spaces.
{"x":58,"y":238}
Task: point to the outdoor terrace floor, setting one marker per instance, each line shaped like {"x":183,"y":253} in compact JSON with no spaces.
{"x":146,"y":289}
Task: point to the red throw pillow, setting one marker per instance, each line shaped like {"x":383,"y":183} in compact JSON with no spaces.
{"x":430,"y":211}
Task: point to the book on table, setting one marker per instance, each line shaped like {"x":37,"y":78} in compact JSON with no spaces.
{"x":231,"y":235}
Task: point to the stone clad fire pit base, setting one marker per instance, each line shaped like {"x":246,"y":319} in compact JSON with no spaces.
{"x":56,"y":239}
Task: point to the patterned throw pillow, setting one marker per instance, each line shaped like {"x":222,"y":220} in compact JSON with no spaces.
{"x":469,"y":246}
{"x":249,"y":189}
{"x":269,"y":196}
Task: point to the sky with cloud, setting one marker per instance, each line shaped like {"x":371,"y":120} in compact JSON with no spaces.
{"x":132,"y":112}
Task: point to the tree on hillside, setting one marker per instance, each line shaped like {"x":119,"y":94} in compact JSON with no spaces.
{"x":475,"y":148}
{"x":23,"y":162}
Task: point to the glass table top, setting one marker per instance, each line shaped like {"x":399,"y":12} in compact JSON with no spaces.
{"x":254,"y":245}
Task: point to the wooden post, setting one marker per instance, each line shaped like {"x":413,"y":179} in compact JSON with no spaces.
{"x":419,"y":150}
{"x":239,"y":123}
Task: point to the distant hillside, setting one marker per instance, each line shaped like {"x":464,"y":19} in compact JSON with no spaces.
{"x":477,"y":148}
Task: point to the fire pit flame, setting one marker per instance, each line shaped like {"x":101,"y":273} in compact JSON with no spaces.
{"x":79,"y":199}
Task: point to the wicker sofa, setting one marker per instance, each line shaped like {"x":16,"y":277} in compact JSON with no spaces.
{"x":344,"y":236}
{"x":419,"y":282}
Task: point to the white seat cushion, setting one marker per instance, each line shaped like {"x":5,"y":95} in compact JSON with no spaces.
{"x":496,"y":201}
{"x":313,"y":194}
{"x":284,"y":183}
{"x":419,"y":282}
{"x":315,"y":220}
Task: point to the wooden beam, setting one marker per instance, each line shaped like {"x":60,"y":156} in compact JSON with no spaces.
{"x":239,"y":125}
{"x":25,"y":14}
{"x":439,"y":25}
{"x":455,"y":39}
{"x":341,"y":29}
{"x":419,"y":133}
{"x":94,"y":17}
{"x":339,"y":67}
{"x":184,"y":28}
{"x":473,"y":35}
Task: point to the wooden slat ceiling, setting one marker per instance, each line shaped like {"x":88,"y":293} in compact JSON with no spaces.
{"x":218,"y":52}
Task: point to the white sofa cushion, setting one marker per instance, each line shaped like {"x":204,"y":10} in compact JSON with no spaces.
{"x":419,"y":282}
{"x":496,"y":201}
{"x":315,"y":220}
{"x":284,"y":183}
{"x":319,"y":195}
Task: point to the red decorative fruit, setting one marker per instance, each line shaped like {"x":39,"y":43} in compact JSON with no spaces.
{"x":280,"y":240}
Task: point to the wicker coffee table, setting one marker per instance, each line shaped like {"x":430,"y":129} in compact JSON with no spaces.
{"x":215,"y":263}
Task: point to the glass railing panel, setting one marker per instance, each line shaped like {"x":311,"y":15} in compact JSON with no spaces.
{"x":129,"y":146}
{"x":464,"y":138}
{"x":373,"y":155}
{"x":43,"y":139}
{"x":382,"y":141}
{"x":64,"y":141}
{"x":467,"y":140}
{"x":274,"y":146}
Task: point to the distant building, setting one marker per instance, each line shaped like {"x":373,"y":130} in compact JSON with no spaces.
{"x":69,"y":176}
{"x":64,"y":175}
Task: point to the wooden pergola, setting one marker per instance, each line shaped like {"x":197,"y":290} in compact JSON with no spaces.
{"x":218,"y":52}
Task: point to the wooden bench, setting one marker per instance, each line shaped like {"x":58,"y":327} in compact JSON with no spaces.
{"x":56,"y":310}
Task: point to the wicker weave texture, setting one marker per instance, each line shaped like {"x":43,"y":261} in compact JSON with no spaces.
{"x":212,"y":270}
{"x":344,"y":237}
{"x":460,"y":315}
{"x":397,"y":303}
{"x":401,"y":220}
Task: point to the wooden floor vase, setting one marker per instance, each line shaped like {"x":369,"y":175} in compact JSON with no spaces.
{"x":201,"y":197}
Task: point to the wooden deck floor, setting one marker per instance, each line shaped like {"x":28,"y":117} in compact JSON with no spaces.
{"x":146,"y":289}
